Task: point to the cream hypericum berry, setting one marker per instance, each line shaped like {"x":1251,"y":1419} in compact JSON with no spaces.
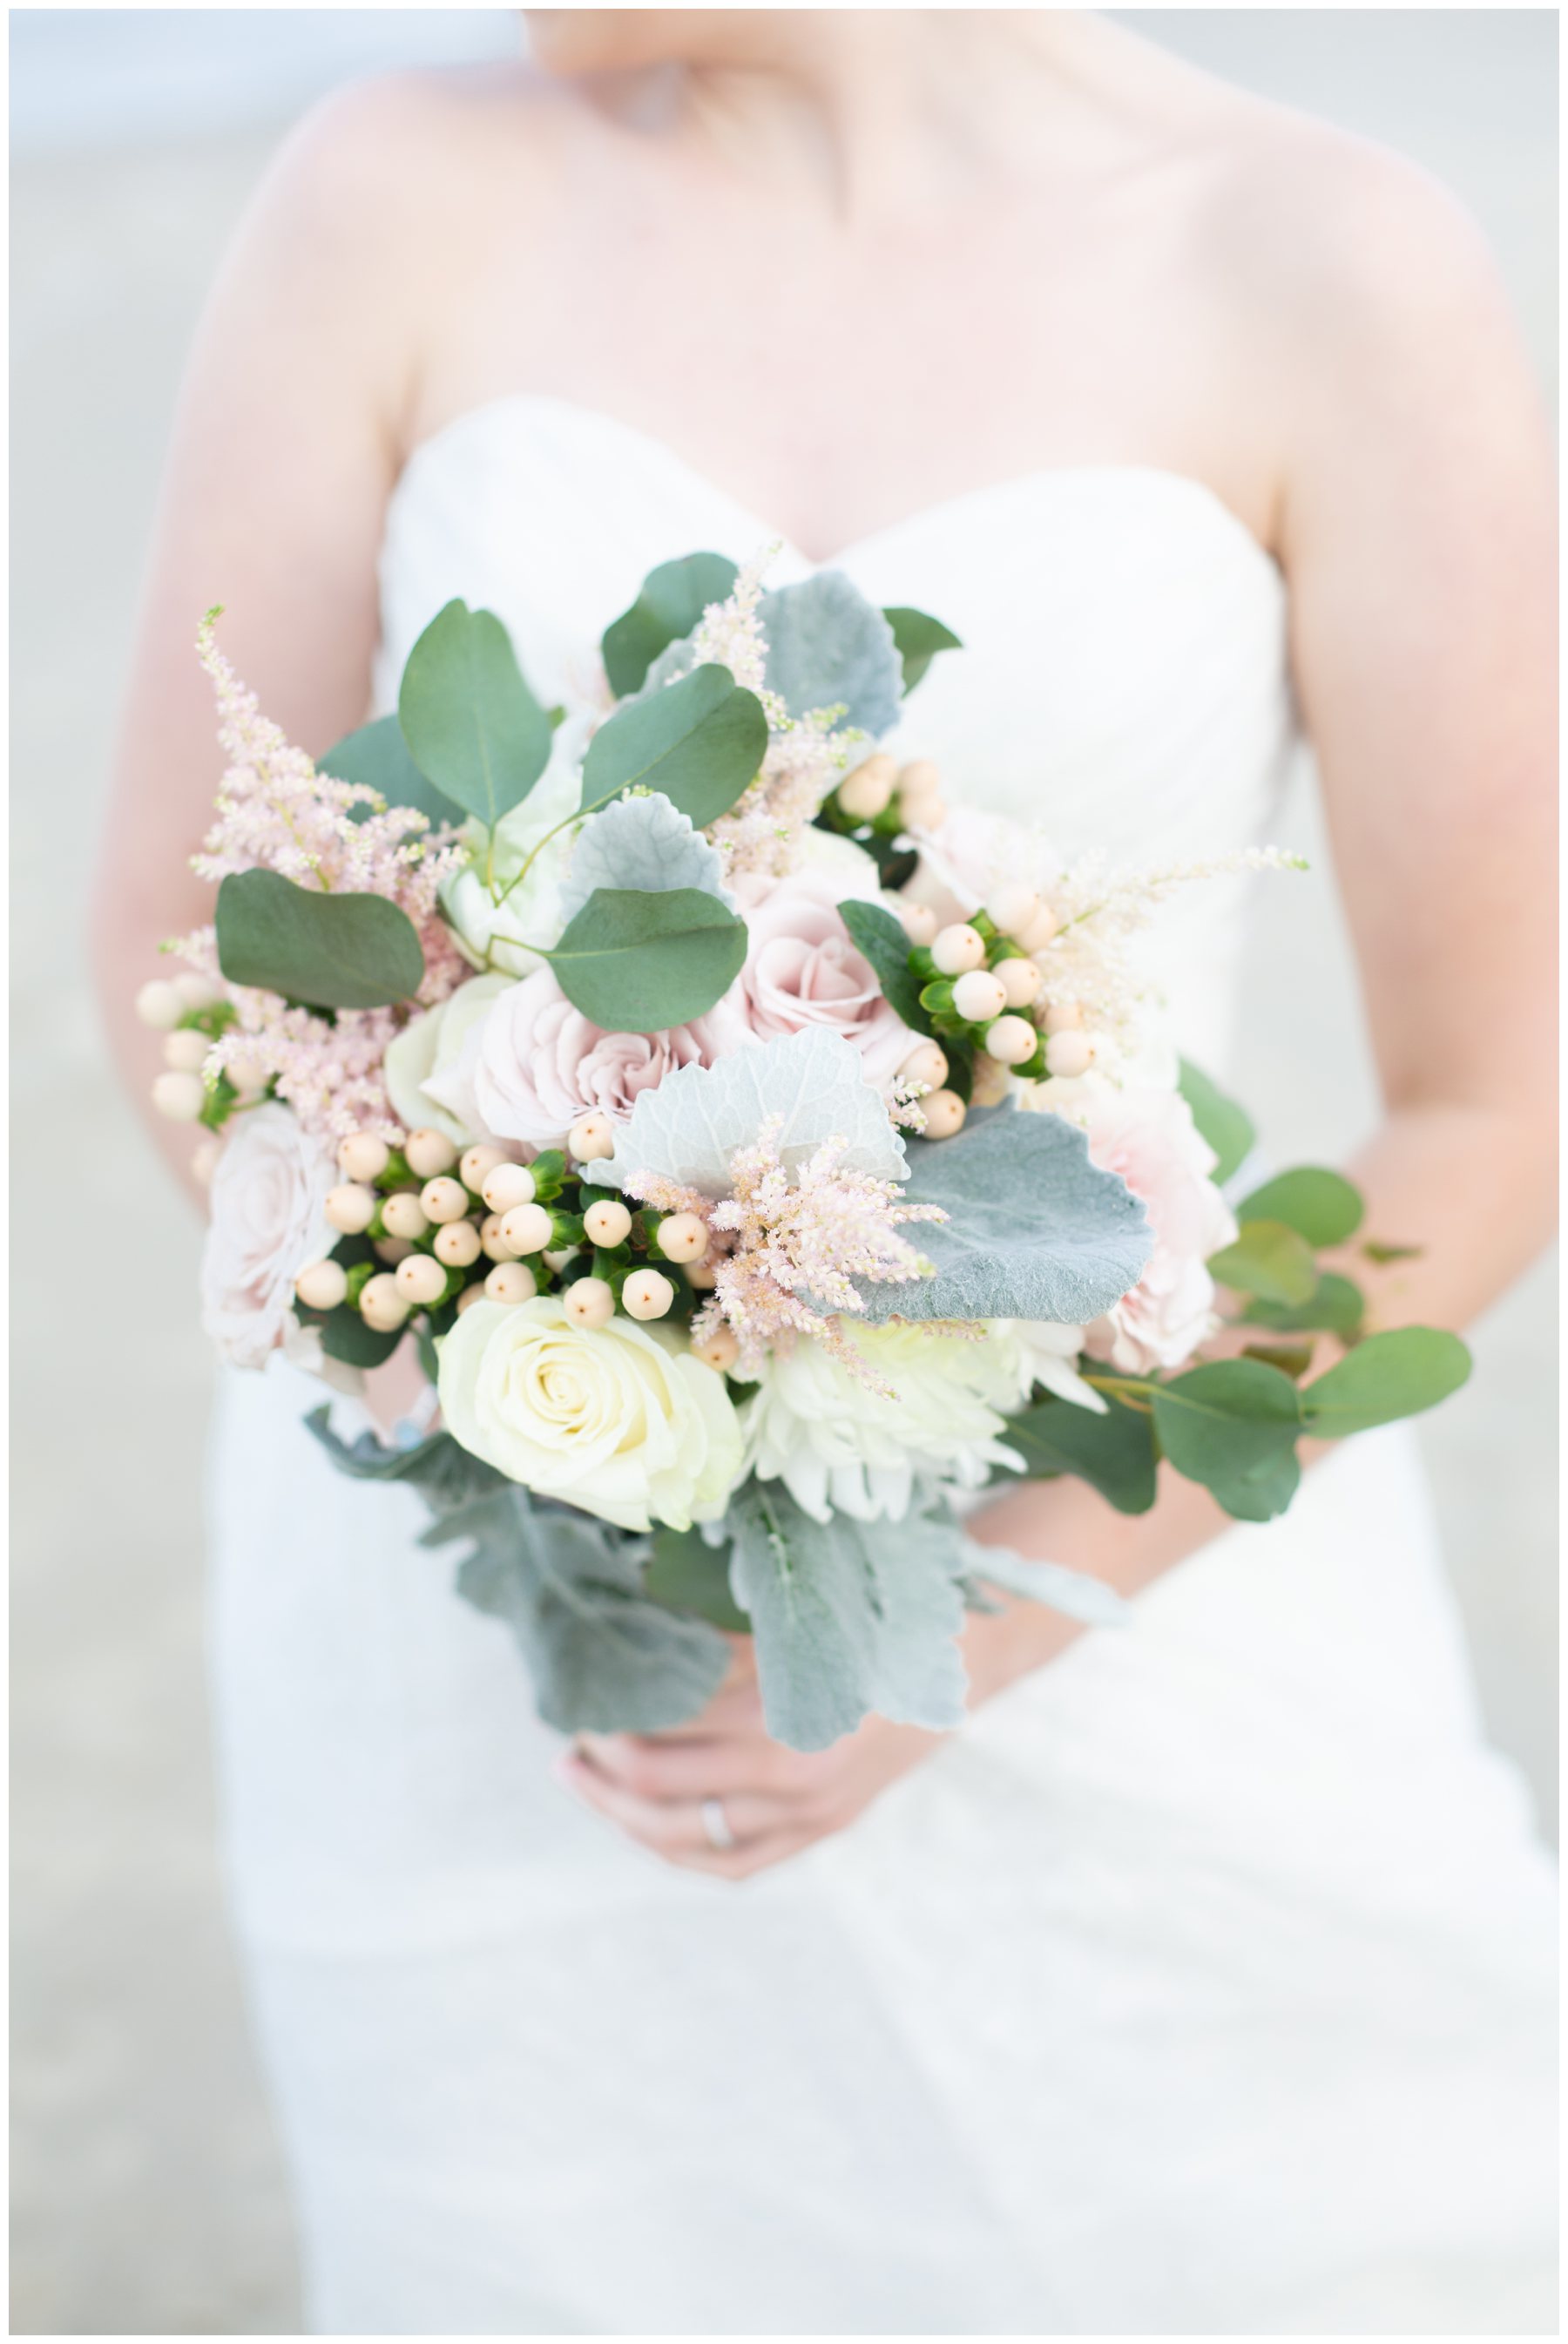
{"x":160,"y":1005}
{"x":323,"y":1286}
{"x":179,"y":1095}
{"x":506,"y":1186}
{"x":527,"y":1229}
{"x":511,"y":1281}
{"x":421,"y":1280}
{"x":919,"y":922}
{"x":476,"y":1163}
{"x":868,"y":790}
{"x":1069,"y":1054}
{"x":719,"y":1350}
{"x":1019,"y":980}
{"x":591,"y":1139}
{"x":362,"y":1156}
{"x":382,"y":1304}
{"x":608,"y":1222}
{"x":647,"y":1294}
{"x":427,"y":1152}
{"x":443,"y":1199}
{"x":186,"y":1050}
{"x":588,"y":1302}
{"x":1012,"y":907}
{"x":944,"y":1112}
{"x":927,"y":1063}
{"x":979,"y":996}
{"x":683,"y":1236}
{"x":403,"y":1215}
{"x":1012,"y":1040}
{"x":456,"y":1244}
{"x":957,"y":948}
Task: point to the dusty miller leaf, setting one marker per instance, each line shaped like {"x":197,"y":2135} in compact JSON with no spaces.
{"x":603,"y":1657}
{"x":690,"y":1126}
{"x":849,"y":1617}
{"x":1034,"y":1229}
{"x":827,"y":647}
{"x":644,"y":843}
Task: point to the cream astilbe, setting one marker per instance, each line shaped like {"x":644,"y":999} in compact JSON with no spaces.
{"x":793,"y":1250}
{"x":277,"y":813}
{"x":1088,"y":961}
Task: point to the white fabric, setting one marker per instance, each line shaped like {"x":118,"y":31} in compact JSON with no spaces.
{"x":1203,"y":1985}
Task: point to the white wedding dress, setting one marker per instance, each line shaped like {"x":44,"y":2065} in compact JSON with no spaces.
{"x":1203,"y":1984}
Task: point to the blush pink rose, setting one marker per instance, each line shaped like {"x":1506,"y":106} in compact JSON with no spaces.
{"x":541,"y":1065}
{"x":1150,"y":1137}
{"x":802,"y":970}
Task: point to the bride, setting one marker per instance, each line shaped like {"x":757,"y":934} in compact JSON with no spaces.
{"x":1203,"y":1983}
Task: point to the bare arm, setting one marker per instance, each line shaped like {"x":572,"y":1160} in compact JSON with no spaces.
{"x":1415,"y":526}
{"x":284,"y":450}
{"x":1416,"y":532}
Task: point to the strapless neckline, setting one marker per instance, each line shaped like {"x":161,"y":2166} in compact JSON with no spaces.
{"x":1205,"y":505}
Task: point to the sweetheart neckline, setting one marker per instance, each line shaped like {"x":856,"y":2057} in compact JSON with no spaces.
{"x":1044,"y":477}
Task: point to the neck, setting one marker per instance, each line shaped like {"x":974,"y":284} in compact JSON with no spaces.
{"x":884,"y":110}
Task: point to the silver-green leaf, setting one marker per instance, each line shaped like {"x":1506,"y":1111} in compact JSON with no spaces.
{"x":1034,"y":1228}
{"x":829,"y":647}
{"x":643,"y":843}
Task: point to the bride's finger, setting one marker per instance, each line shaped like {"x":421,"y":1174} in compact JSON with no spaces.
{"x":688,"y":1770}
{"x":672,"y":1827}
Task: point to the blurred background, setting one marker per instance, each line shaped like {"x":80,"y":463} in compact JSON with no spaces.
{"x":147,"y":2193}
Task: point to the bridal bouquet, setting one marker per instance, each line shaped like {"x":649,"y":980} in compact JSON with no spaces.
{"x":763,"y":1157}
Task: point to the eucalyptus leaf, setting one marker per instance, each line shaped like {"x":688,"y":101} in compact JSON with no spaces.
{"x":329,"y":951}
{"x":1034,"y":1229}
{"x":1114,"y":1453}
{"x":671,"y":601}
{"x":1336,"y":1306}
{"x":700,"y":741}
{"x":878,"y":935}
{"x":1268,"y":1259}
{"x":603,"y":1657}
{"x":1228,"y":1422}
{"x":378,"y":758}
{"x":642,"y":843}
{"x":691,"y":1123}
{"x":1260,"y":1495}
{"x":849,"y":1616}
{"x":829,"y":647}
{"x":1074,"y":1593}
{"x":636,"y":963}
{"x":918,"y":638}
{"x":1227,"y":1127}
{"x":469,"y":720}
{"x":1386,"y":1377}
{"x":690,"y":1575}
{"x":1321,"y":1206}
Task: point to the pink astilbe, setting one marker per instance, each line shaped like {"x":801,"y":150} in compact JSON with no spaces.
{"x":277,"y":813}
{"x":785,"y":1241}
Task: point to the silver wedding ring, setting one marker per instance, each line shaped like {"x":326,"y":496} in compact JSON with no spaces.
{"x":716,"y":1826}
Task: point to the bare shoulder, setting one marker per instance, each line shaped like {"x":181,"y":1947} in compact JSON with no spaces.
{"x":381,"y":212}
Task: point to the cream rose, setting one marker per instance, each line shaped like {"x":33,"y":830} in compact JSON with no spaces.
{"x":268,"y":1223}
{"x":802,"y":969}
{"x":620,"y":1420}
{"x":1150,"y":1137}
{"x":429,"y":1065}
{"x":840,"y":1448}
{"x":541,"y":1065}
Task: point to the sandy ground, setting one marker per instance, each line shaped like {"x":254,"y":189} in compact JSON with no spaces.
{"x":148,"y":2189}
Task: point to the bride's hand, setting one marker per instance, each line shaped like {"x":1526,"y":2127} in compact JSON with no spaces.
{"x":774,"y":1800}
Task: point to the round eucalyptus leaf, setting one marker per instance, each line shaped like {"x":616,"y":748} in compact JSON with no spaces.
{"x":329,"y":951}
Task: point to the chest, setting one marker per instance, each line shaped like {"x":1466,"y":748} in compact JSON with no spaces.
{"x":836,"y":380}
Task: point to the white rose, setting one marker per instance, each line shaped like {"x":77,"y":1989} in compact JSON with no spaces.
{"x":621,"y":1419}
{"x":429,"y":1071}
{"x":268,"y":1224}
{"x":840,"y":1448}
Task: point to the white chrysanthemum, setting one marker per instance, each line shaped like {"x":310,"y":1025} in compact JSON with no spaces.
{"x":1051,"y":1354}
{"x":841,"y":1448}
